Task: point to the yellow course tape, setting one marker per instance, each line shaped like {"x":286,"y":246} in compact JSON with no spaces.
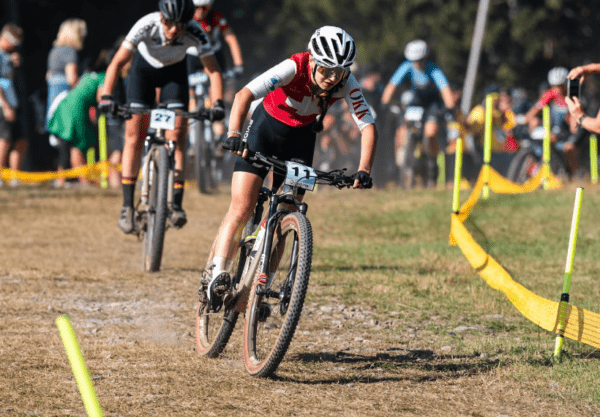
{"x":89,"y":171}
{"x":581,"y":325}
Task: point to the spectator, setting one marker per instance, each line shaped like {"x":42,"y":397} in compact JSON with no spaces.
{"x":589,"y":123}
{"x":563,"y":135}
{"x":63,"y":72}
{"x":12,"y":144}
{"x":503,"y":119}
{"x":71,"y":121}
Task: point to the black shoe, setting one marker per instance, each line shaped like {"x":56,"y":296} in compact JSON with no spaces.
{"x":177,"y":218}
{"x":217,"y":290}
{"x":126,"y":222}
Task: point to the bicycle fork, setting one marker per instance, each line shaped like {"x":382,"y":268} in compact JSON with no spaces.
{"x":265,"y":277}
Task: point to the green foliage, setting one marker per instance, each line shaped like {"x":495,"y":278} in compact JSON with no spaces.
{"x":523,"y":40}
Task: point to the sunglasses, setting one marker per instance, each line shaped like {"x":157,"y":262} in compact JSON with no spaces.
{"x":170,"y":23}
{"x":339,"y":73}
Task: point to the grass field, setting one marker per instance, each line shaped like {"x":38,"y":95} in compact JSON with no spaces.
{"x":396,"y":321}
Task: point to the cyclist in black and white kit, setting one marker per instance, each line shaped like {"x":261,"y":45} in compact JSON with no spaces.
{"x":157,"y":44}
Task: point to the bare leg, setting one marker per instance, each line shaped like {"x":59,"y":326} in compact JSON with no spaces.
{"x":178,"y":135}
{"x":135,"y":131}
{"x":77,"y":160}
{"x":16,"y":155}
{"x":4,"y":149}
{"x":114,"y":176}
{"x":244,"y":194}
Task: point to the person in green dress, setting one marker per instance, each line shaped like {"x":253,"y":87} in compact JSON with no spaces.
{"x":71,"y":120}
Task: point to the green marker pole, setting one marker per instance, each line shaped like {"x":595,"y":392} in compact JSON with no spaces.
{"x":441,"y":161}
{"x":84,"y":383}
{"x":594,"y":159}
{"x":487,"y":144}
{"x":546,"y":153}
{"x":458,"y":154}
{"x":102,"y":148}
{"x":564,"y":298}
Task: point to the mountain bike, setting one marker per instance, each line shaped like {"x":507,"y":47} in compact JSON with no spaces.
{"x":529,"y":159}
{"x":410,"y":165}
{"x":270,"y":273}
{"x":209,"y":157}
{"x":158,"y":171}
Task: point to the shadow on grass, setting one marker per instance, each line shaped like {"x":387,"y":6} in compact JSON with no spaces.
{"x":436,"y":367}
{"x":330,"y":268}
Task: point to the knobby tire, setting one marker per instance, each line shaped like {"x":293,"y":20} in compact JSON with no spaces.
{"x":154,"y":237}
{"x":270,"y":321}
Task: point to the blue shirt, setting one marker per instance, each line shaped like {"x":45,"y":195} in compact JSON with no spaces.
{"x":425,"y":84}
{"x":6,"y":79}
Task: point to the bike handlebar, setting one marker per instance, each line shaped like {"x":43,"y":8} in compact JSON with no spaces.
{"x":125,"y":112}
{"x":335,"y":178}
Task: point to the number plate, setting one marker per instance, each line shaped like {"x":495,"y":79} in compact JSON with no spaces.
{"x":413,"y":113}
{"x":197,"y":78}
{"x":162,"y":119}
{"x":301,"y":176}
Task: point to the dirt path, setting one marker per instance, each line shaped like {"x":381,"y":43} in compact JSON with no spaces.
{"x":63,"y":254}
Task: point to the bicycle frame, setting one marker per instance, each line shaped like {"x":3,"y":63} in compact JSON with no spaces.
{"x":151,"y":142}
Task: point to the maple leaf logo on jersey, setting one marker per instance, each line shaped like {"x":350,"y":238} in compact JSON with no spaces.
{"x":273,"y":81}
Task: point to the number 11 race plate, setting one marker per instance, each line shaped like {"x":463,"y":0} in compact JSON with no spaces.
{"x":300,"y":175}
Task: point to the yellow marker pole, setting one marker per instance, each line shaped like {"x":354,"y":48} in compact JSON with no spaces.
{"x":594,"y":159}
{"x":91,"y":156}
{"x":441,"y":162}
{"x":487,"y":145}
{"x":103,"y":151}
{"x":84,"y":383}
{"x":546,"y":153}
{"x":458,"y":154}
{"x":564,"y":298}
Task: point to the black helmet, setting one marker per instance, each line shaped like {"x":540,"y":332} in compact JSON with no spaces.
{"x":179,"y":11}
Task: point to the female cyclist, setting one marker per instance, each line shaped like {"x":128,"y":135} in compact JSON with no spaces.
{"x":297,"y":93}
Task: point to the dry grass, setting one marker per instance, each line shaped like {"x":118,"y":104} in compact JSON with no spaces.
{"x":63,"y":254}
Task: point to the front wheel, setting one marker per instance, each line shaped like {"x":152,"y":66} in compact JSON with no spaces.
{"x":158,"y":190}
{"x":275,"y":303}
{"x":213,"y":330}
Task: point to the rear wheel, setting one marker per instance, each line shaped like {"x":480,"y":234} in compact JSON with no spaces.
{"x":272,"y":313}
{"x":523,"y":166}
{"x":158,"y":183}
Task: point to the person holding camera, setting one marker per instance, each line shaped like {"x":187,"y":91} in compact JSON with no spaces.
{"x":576,"y":110}
{"x":563,"y":131}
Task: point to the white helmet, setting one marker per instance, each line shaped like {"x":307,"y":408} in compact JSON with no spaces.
{"x":416,"y":50}
{"x":332,"y":47}
{"x":200,"y":3}
{"x":557,"y":76}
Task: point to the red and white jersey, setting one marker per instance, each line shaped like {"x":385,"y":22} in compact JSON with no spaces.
{"x":214,"y":24}
{"x":286,"y":89}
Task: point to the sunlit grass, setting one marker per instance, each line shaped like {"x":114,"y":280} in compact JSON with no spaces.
{"x":391,"y":253}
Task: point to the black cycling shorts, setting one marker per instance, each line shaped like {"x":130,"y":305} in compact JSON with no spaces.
{"x":143,"y":79}
{"x":271,"y":137}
